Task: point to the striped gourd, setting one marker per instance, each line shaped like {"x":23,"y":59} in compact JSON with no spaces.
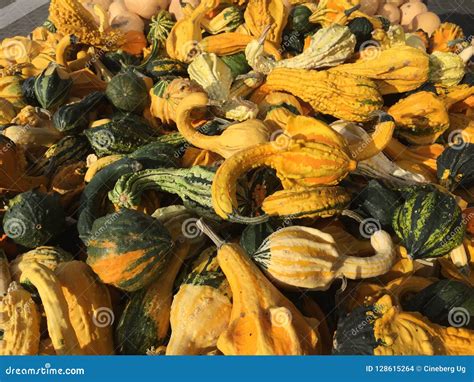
{"x":68,"y":150}
{"x":429,"y":223}
{"x":192,"y":185}
{"x":166,"y":67}
{"x":308,"y":258}
{"x":201,"y":309}
{"x":119,"y":259}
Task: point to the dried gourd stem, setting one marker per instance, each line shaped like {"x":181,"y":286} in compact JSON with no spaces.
{"x":210,"y":233}
{"x":5,"y":277}
{"x":460,"y":259}
{"x":352,"y":215}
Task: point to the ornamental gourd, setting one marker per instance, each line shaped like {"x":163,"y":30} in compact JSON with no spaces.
{"x":262,"y":320}
{"x":262,"y":13}
{"x":119,"y":259}
{"x":233,"y":139}
{"x":429,"y":223}
{"x":446,"y":68}
{"x":52,"y":86}
{"x":147,"y":314}
{"x":201,"y":308}
{"x":33,"y":218}
{"x":340,"y":94}
{"x":453,"y":167}
{"x":20,"y":324}
{"x":128,"y":91}
{"x":395,"y":70}
{"x":303,"y":257}
{"x":89,"y":307}
{"x":421,"y":117}
{"x":391,"y":331}
{"x":328,"y":47}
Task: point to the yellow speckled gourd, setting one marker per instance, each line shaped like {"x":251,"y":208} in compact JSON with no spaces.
{"x":19,"y":316}
{"x":235,"y":138}
{"x":201,"y":309}
{"x":409,"y":333}
{"x":395,"y":70}
{"x":182,"y":42}
{"x":303,"y":257}
{"x":262,"y":321}
{"x":420,"y":118}
{"x":342,"y":95}
{"x":55,"y":306}
{"x":87,"y":300}
{"x":446,"y":68}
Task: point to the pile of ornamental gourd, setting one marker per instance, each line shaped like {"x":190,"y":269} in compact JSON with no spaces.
{"x":237,"y":178}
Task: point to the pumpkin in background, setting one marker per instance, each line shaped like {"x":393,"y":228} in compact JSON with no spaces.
{"x":128,"y":249}
{"x":33,"y":218}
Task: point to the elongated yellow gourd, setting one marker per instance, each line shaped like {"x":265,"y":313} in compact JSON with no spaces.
{"x":262,"y":321}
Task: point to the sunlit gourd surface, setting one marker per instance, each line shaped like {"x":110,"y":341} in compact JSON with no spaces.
{"x":237,"y":177}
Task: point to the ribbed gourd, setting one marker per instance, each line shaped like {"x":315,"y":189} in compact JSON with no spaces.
{"x":262,"y":320}
{"x":119,"y":259}
{"x":454,"y":167}
{"x":52,"y":86}
{"x":147,"y":314}
{"x":259,"y":14}
{"x":340,"y":94}
{"x":446,"y":68}
{"x":201,"y":308}
{"x":303,"y":257}
{"x":429,"y":223}
{"x":33,"y":218}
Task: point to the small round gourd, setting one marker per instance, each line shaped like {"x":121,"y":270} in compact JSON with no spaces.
{"x":128,"y":91}
{"x":33,"y":218}
{"x":128,"y":249}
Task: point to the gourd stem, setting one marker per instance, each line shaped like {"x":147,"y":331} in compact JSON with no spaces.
{"x":5,"y":277}
{"x":210,"y":233}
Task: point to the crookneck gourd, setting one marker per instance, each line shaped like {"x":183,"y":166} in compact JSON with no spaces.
{"x":340,"y":94}
{"x":303,"y":257}
{"x":308,"y":155}
{"x":233,"y":139}
{"x":201,"y":309}
{"x":262,"y":320}
{"x":395,"y":70}
{"x":260,"y":14}
{"x":391,"y":331}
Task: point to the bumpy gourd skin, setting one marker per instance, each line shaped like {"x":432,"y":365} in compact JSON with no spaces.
{"x":260,"y":14}
{"x":341,"y":95}
{"x":70,"y":17}
{"x":311,"y":155}
{"x":409,"y":333}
